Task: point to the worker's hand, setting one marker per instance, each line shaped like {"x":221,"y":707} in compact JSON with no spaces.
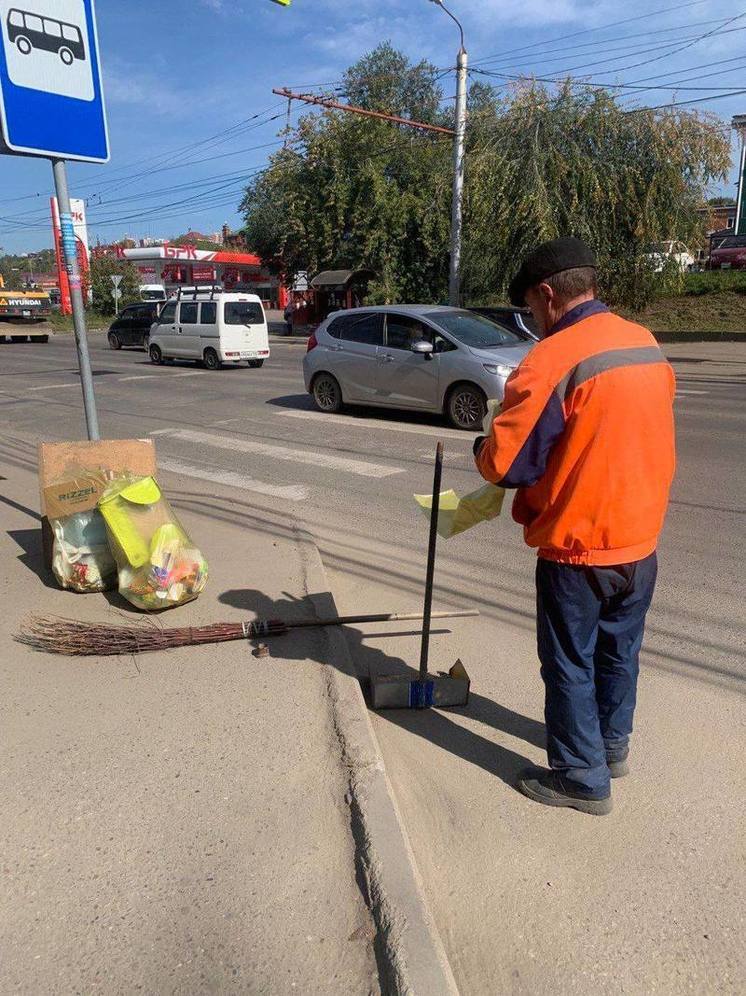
{"x":478,"y":444}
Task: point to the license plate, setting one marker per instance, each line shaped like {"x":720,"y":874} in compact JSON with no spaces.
{"x":26,"y":314}
{"x":248,"y":356}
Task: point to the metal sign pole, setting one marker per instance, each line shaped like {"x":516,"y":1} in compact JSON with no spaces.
{"x":76,"y":296}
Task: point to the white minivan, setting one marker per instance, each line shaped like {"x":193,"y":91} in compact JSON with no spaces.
{"x":211,"y":326}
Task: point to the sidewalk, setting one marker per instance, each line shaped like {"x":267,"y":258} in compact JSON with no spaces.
{"x":175,"y":823}
{"x":533,"y":901}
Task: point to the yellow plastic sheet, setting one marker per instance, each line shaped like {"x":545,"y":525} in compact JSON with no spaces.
{"x":458,"y":514}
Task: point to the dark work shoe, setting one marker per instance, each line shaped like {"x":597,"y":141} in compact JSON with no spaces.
{"x":548,"y":787}
{"x":616,"y":761}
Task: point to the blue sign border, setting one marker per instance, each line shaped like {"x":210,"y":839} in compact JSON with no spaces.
{"x":69,"y":128}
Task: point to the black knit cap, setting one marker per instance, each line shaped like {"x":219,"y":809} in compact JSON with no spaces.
{"x":546,"y":260}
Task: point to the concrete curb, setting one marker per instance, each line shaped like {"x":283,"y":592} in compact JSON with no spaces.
{"x":411,"y":957}
{"x":703,"y":336}
{"x":290,"y":340}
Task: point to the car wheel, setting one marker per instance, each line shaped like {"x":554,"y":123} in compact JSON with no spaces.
{"x":327,"y":394}
{"x":255,"y":364}
{"x":466,"y":406}
{"x":23,"y":44}
{"x":66,"y":56}
{"x":114,"y":341}
{"x":211,"y":360}
{"x":156,"y":356}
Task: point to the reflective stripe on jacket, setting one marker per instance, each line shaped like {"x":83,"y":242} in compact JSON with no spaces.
{"x":586,"y":435}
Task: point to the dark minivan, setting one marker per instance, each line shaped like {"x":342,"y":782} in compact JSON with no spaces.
{"x":132,"y":327}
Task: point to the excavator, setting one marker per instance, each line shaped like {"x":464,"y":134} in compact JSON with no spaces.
{"x":24,"y":310}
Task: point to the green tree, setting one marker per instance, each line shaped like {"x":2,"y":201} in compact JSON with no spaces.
{"x":102,"y":269}
{"x":17,"y":270}
{"x":574,"y":163}
{"x":351,"y":191}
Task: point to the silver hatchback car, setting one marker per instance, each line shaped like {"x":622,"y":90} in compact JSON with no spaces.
{"x":421,"y":357}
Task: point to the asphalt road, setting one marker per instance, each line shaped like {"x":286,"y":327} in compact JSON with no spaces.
{"x":526,"y":899}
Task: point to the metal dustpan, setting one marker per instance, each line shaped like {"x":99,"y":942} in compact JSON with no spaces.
{"x":402,"y":691}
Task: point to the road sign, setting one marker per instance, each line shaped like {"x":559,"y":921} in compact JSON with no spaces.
{"x":51,"y":97}
{"x":116,"y":279}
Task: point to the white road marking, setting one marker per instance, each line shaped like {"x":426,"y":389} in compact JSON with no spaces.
{"x":191,"y":373}
{"x":360,"y":467}
{"x":681,"y":391}
{"x":49,"y":387}
{"x":290,"y":492}
{"x":139,"y":377}
{"x":374,"y":423}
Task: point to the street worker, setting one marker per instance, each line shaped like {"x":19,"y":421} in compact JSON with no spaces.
{"x":287,"y":314}
{"x":586,"y":437}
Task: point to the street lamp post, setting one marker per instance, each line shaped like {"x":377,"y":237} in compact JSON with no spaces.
{"x":454,"y":273}
{"x":739,"y":124}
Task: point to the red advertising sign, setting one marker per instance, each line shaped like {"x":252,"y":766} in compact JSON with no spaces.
{"x":65,"y":303}
{"x":203,"y":274}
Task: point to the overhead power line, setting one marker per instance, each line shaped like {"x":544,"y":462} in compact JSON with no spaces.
{"x":599,"y":85}
{"x":601,"y":27}
{"x":629,"y":41}
{"x":114,"y":179}
{"x":685,"y":103}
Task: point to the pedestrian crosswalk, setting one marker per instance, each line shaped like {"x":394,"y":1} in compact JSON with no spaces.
{"x":311,"y":457}
{"x":229,"y":478}
{"x":384,"y":424}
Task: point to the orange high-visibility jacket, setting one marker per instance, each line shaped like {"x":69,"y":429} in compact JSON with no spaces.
{"x":586,"y":435}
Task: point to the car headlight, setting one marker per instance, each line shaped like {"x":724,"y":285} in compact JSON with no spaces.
{"x":500,"y":369}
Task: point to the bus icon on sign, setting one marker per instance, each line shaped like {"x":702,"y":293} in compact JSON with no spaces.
{"x":46,"y":46}
{"x":29,"y":31}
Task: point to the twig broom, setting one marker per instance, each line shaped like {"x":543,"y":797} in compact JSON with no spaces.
{"x":78,"y":639}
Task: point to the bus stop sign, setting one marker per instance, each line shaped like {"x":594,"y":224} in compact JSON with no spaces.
{"x":51,"y":98}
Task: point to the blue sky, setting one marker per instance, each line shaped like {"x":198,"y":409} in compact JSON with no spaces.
{"x":202,"y":71}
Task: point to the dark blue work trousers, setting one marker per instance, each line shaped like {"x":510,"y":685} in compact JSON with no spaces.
{"x":589,"y":627}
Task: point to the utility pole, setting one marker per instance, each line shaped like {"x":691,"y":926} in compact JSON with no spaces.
{"x":739,"y":124}
{"x":454,"y":273}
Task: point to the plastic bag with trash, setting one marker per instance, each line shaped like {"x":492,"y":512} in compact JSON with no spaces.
{"x":158,"y":565}
{"x":81,"y":558}
{"x":456,"y":515}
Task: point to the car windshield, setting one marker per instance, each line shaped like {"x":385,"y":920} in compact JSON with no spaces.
{"x":153,"y":295}
{"x":473,"y":330}
{"x":243,"y":313}
{"x":732,"y":243}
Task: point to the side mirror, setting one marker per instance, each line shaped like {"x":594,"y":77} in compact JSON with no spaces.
{"x":423,"y":347}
